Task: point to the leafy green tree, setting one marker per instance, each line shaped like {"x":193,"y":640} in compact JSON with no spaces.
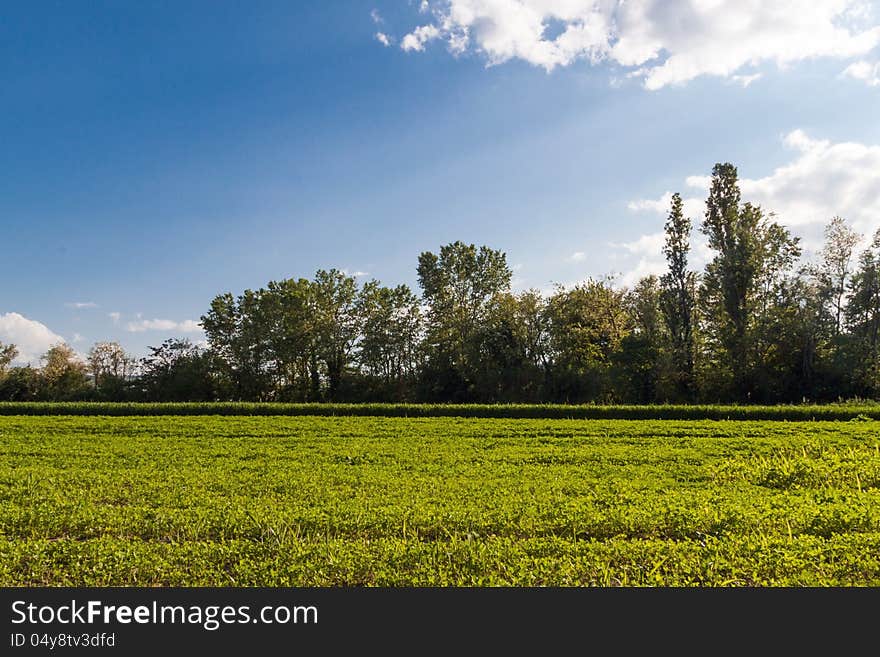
{"x":177,"y":371}
{"x":63,"y":374}
{"x":753,"y":258}
{"x":459,"y":285}
{"x":586,"y":326}
{"x":20,"y":384}
{"x":111,"y":368}
{"x":512,"y":349}
{"x":337,"y":325}
{"x":16,"y":383}
{"x":294,"y":339}
{"x":290,"y":322}
{"x":730,"y":276}
{"x":389,"y":349}
{"x":678,"y":298}
{"x":237,"y":332}
{"x":8,"y":353}
{"x":862,"y":314}
{"x":835,"y":267}
{"x":642,"y":361}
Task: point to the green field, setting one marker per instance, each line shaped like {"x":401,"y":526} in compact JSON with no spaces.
{"x":321,"y":501}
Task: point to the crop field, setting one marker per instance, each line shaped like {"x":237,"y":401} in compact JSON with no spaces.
{"x":402,"y":501}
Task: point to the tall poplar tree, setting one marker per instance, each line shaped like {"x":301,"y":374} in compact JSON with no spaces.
{"x":677,"y":297}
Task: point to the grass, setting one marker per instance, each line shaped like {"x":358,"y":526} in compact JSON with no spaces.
{"x":396,"y":501}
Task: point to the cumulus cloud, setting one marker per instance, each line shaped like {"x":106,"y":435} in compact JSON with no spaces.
{"x":383,"y":38}
{"x":79,"y":305}
{"x":649,"y":251}
{"x":417,"y":39}
{"x":661,"y":41}
{"x":167,"y":325}
{"x":690,"y":206}
{"x":823,"y":179}
{"x":867,"y":72}
{"x":32,"y":338}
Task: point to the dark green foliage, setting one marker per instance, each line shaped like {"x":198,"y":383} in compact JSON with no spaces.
{"x":20,"y":384}
{"x":178,"y":371}
{"x":827,"y":412}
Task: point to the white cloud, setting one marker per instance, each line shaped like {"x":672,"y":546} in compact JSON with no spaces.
{"x":691,"y":207}
{"x":77,"y":338}
{"x":383,"y":38}
{"x":79,"y":305}
{"x":577,"y":256}
{"x":167,"y":325}
{"x":823,"y":179}
{"x":867,"y":72}
{"x":115,"y":317}
{"x":417,"y":39}
{"x":646,"y":244}
{"x":649,"y":250}
{"x":662,"y":41}
{"x":746,"y":80}
{"x":32,"y":338}
{"x":376,"y":16}
{"x":651,"y":261}
{"x":699,"y":182}
{"x":646,"y":266}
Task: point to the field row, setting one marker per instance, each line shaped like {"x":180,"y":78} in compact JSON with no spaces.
{"x":800,"y":413}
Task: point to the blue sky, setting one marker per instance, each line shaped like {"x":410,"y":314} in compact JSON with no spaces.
{"x":156,"y":154}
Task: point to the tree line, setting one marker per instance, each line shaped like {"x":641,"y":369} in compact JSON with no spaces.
{"x":756,"y":325}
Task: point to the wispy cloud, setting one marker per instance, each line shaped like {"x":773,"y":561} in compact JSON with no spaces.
{"x":79,"y":305}
{"x":167,"y":325}
{"x":383,"y":38}
{"x":867,"y":72}
{"x":577,"y":256}
{"x":746,"y":80}
{"x":115,"y":317}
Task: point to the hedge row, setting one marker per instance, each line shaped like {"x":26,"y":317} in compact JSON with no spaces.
{"x":659,"y":412}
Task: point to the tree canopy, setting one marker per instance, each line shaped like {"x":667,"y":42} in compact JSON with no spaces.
{"x":757,"y":324}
